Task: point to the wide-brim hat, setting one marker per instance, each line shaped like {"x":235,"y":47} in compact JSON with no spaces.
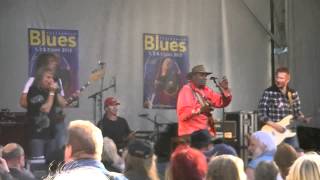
{"x":198,"y":69}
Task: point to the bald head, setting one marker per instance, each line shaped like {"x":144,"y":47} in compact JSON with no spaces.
{"x":11,"y":151}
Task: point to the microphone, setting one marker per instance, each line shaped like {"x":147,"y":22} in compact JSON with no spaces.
{"x":114,"y":84}
{"x":101,"y":63}
{"x":213,"y":78}
{"x":143,"y":115}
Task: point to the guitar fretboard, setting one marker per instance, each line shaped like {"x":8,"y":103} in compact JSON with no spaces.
{"x":73,"y":98}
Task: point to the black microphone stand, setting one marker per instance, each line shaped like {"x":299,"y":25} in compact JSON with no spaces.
{"x":156,"y":126}
{"x":97,"y":97}
{"x":223,"y":113}
{"x":101,"y":66}
{"x":94,"y":97}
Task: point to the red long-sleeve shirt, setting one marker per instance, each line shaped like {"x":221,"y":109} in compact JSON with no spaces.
{"x":188,"y":108}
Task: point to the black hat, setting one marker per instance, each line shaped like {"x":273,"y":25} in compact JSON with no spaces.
{"x":200,"y":138}
{"x":220,"y":149}
{"x":141,"y":149}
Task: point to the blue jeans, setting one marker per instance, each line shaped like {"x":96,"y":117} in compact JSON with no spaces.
{"x":60,"y":135}
{"x":40,"y":148}
{"x":293,"y":141}
{"x":47,"y":147}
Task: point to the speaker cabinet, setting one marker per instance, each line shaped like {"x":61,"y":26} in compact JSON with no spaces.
{"x":14,"y":128}
{"x":309,"y":138}
{"x":235,"y":130}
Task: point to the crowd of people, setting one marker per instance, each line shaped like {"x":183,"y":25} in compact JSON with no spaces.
{"x":109,"y":150}
{"x":87,"y":154}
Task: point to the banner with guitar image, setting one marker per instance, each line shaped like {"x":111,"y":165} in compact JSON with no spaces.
{"x":64,"y":44}
{"x":166,"y":63}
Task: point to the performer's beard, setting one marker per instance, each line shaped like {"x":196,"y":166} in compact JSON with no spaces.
{"x":202,"y":83}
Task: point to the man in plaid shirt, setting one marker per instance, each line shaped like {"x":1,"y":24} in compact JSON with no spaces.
{"x":278,"y":101}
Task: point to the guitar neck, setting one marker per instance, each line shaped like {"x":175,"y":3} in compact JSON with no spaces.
{"x":73,"y":98}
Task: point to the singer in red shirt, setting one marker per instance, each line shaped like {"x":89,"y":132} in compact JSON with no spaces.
{"x":196,"y":101}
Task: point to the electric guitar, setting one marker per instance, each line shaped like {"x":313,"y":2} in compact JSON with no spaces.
{"x":290,"y":126}
{"x":94,"y":76}
{"x":210,"y":119}
{"x":59,"y":114}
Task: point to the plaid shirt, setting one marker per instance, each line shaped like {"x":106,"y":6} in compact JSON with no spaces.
{"x":274,"y":105}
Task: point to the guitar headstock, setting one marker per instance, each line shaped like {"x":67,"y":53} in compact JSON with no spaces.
{"x":96,"y":74}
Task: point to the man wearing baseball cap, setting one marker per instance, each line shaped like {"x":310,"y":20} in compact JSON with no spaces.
{"x":113,"y":126}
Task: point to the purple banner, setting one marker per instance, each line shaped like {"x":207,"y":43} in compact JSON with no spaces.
{"x":61,"y":43}
{"x":166,"y":63}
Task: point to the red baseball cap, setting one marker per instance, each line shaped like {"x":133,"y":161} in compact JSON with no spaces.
{"x":111,"y":101}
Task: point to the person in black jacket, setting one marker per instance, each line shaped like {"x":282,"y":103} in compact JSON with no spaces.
{"x":113,"y":126}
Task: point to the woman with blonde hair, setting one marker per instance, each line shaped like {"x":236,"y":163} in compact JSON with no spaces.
{"x":226,"y":167}
{"x":306,"y":167}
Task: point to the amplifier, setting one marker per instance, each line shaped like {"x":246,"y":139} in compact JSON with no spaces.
{"x":235,"y":129}
{"x":14,"y":128}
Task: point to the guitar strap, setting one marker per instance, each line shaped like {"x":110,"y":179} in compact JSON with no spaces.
{"x":290,"y":98}
{"x":203,"y":102}
{"x":198,"y":97}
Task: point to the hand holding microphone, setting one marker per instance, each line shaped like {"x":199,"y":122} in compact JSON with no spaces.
{"x":223,"y":85}
{"x":54,"y":87}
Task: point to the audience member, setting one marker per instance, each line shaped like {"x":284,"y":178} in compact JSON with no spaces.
{"x":110,"y":157}
{"x":201,"y":140}
{"x":14,"y":155}
{"x":306,"y":167}
{"x":83,"y":150}
{"x":267,"y":171}
{"x":187,"y":163}
{"x":4,"y":170}
{"x":284,"y":158}
{"x":1,"y":148}
{"x":221,"y":149}
{"x":81,"y":174}
{"x":262,"y":147}
{"x":140,"y":161}
{"x":226,"y":167}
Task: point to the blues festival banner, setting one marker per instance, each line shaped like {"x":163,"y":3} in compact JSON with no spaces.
{"x":64,"y":44}
{"x":166,"y":63}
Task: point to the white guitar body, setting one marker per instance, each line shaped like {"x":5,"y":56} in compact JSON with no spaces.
{"x":279,"y":137}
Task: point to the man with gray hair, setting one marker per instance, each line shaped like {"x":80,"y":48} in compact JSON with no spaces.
{"x":262,"y":146}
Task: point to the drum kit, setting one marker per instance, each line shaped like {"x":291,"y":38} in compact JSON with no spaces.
{"x":158,"y":128}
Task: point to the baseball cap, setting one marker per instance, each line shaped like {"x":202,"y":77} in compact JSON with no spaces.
{"x":141,"y":149}
{"x":111,"y":101}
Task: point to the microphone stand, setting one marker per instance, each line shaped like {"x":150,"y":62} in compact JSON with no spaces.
{"x":223,"y":113}
{"x":97,"y":97}
{"x":156,"y":126}
{"x":101,"y":65}
{"x":94,"y":97}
